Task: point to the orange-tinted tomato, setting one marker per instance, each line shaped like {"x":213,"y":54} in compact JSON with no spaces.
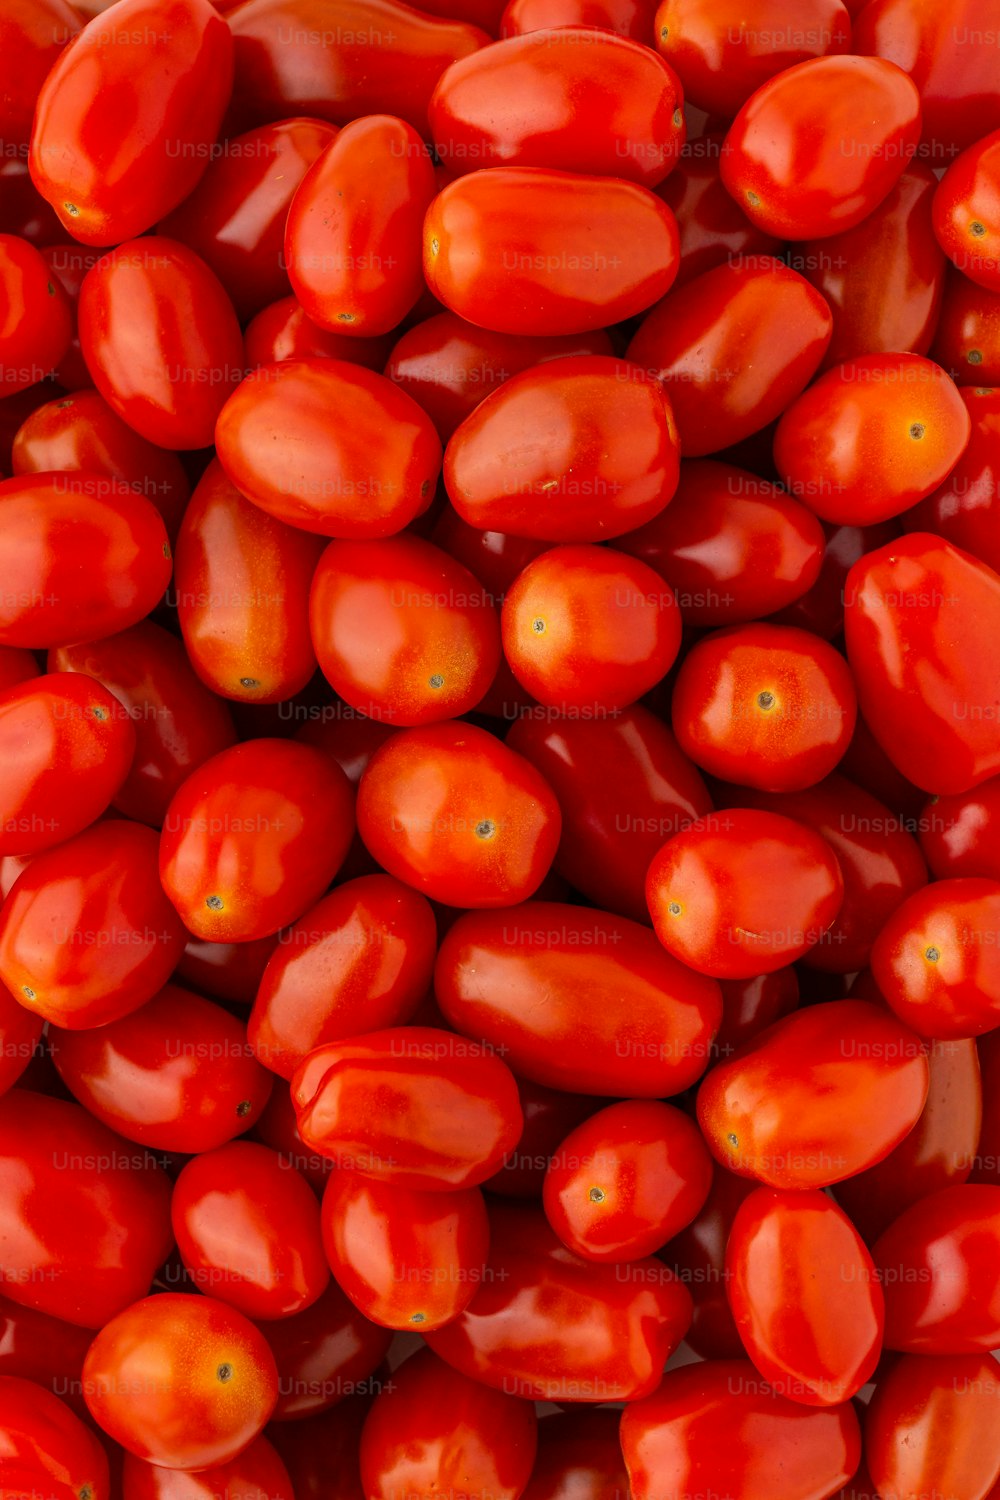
{"x":967,"y":337}
{"x":964,"y":508}
{"x":936,"y":959}
{"x":967,"y":212}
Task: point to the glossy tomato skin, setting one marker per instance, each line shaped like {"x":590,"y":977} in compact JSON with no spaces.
{"x":936,"y":962}
{"x":170,"y":69}
{"x":513,"y":1334}
{"x":37,"y":324}
{"x":530,"y":250}
{"x":66,"y":746}
{"x":86,"y":1223}
{"x":932,"y":1425}
{"x":742,"y":893}
{"x":361,"y":1102}
{"x":963,"y":509}
{"x":805,"y":1296}
{"x":44,"y":1350}
{"x":578,"y":1451}
{"x":282,"y":331}
{"x":750,"y":1005}
{"x":235,"y":218}
{"x":32,"y":35}
{"x":626,"y":1180}
{"x":966,"y":207}
{"x":957,"y":833}
{"x":733,"y":348}
{"x":452,"y":812}
{"x":88,"y":936}
{"x":347,"y":479}
{"x":852,"y":1083}
{"x":579,"y":1000}
{"x":698,"y":1257}
{"x":407,"y":1260}
{"x":253,"y":837}
{"x":175,"y":1075}
{"x":363,"y":957}
{"x":633,"y":18}
{"x":157,"y":296}
{"x":182,"y":1381}
{"x":967,"y":337}
{"x":73,"y":571}
{"x":579,"y":449}
{"x":256,"y":1474}
{"x":597,"y":104}
{"x":20,"y":1038}
{"x":919,"y":615}
{"x":623,"y":785}
{"x":326,"y":1356}
{"x":548,"y":1115}
{"x":786,"y":164}
{"x":712,"y":226}
{"x":47,"y":1450}
{"x":178,"y":723}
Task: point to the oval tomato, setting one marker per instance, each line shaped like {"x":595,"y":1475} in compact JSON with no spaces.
{"x":958,"y":833}
{"x":967,"y":212}
{"x":967,"y":337}
{"x":32,"y":35}
{"x":37,"y":324}
{"x":936,"y":960}
{"x":932,"y":1425}
{"x":698,"y":1257}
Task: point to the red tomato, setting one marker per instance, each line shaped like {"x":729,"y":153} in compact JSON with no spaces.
{"x":85,"y":1222}
{"x":176,"y":1075}
{"x":967,"y":212}
{"x":450,"y":810}
{"x":44,"y":1350}
{"x":786,"y":162}
{"x":181,"y":1381}
{"x":848,"y":1082}
{"x":87,"y":935}
{"x":406,"y":1259}
{"x":160,"y":338}
{"x":16,"y":666}
{"x":37,"y":324}
{"x":921,"y":621}
{"x":750,"y":1005}
{"x":321,"y":1452}
{"x":366,"y":457}
{"x":958,"y":836}
{"x":362,"y":1102}
{"x":967,"y":338}
{"x":821,"y":610}
{"x":362,"y":958}
{"x":712,"y":226}
{"x":325,"y":1355}
{"x":733,"y":348}
{"x":932,"y":1426}
{"x":698,"y":1255}
{"x":626,"y":1180}
{"x":578,"y":1000}
{"x":578,"y":1454}
{"x":719,"y":1429}
{"x":632,"y":18}
{"x":47,"y":1451}
{"x":494,"y":557}
{"x":548,"y":1115}
{"x":229,"y":971}
{"x":353,"y":233}
{"x":32,"y":35}
{"x":235,"y":218}
{"x":597,"y":104}
{"x":282,"y":331}
{"x":66,"y":746}
{"x":963,"y":509}
{"x":69,"y":264}
{"x":532,"y":250}
{"x":805,"y":1295}
{"x":256,"y":1474}
{"x":986,"y":1163}
{"x":936,"y":960}
{"x":20,"y":1039}
{"x":278,"y":1129}
{"x":253,"y":837}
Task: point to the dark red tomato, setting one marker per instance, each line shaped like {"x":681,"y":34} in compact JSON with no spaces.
{"x":848,"y":1083}
{"x":235,"y":218}
{"x":256,"y":1474}
{"x":25,"y":211}
{"x":314,"y":57}
{"x":922,"y":618}
{"x":867,"y":764}
{"x":20,"y":1038}
{"x":574,"y":450}
{"x":786,"y":162}
{"x":366,"y":457}
{"x":361,"y":959}
{"x":883,"y":279}
{"x":47,"y":1451}
{"x":720,"y":1429}
{"x":69,"y":264}
{"x":403,"y":632}
{"x":626,"y":1181}
{"x":85,"y":1223}
{"x":278,"y":1129}
{"x":623,"y":786}
{"x":178,"y":723}
{"x":282,"y":331}
{"x":750,"y":1005}
{"x":436,"y":1432}
{"x":531,"y":250}
{"x":406,"y":1259}
{"x":597,"y":104}
{"x":87,"y":935}
{"x":37,"y":323}
{"x":986,"y":1163}
{"x":363,"y":1102}
{"x":353,"y":233}
{"x":325,"y":1355}
{"x":168,"y":66}
{"x":805,"y":1296}
{"x":229,"y":971}
{"x":16,"y":666}
{"x":967,"y":212}
{"x":182,"y":1381}
{"x":321,"y":1452}
{"x":821,"y":609}
{"x":253,"y":837}
{"x":578,"y":1000}
{"x":45,"y":1350}
{"x":578,"y":1455}
{"x":493,"y":557}
{"x":32,"y":35}
{"x":934,"y":1425}
{"x":549,"y":1114}
{"x":733,"y":348}
{"x":347,"y":737}
{"x":967,"y":338}
{"x":712,"y":226}
{"x":82,"y":432}
{"x":242,"y":587}
{"x":733,"y":547}
{"x":965,"y":507}
{"x":450,"y":810}
{"x":958,"y":834}
{"x":872,"y":437}
{"x":160,"y":338}
{"x":632,"y":18}
{"x":698,"y":1255}
{"x":549,"y":1326}
{"x":66,"y":746}
{"x":937,"y":962}
{"x":176,"y":1075}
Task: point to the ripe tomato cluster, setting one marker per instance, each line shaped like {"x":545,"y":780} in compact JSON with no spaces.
{"x":500,"y":750}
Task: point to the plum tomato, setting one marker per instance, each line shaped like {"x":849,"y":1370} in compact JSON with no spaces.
{"x":967,"y":212}
{"x":47,"y":1450}
{"x":282,"y":331}
{"x":37,"y":323}
{"x":932,"y":1426}
{"x":967,"y":337}
{"x":958,"y":834}
{"x":712,"y":227}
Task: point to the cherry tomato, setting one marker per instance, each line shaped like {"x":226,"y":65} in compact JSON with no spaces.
{"x":533,"y":250}
{"x":963,"y":508}
{"x":325,"y":1356}
{"x":632,"y":18}
{"x":967,"y":337}
{"x":932,"y":1426}
{"x":578,"y":1000}
{"x":182,"y":1381}
{"x":282,"y":331}
{"x":578,"y":1454}
{"x":32,"y":35}
{"x":256,"y":1474}
{"x":967,"y":212}
{"x":37,"y":324}
{"x":85,"y":1221}
{"x":697,"y":1255}
{"x":847,"y":1083}
{"x":46,"y":1449}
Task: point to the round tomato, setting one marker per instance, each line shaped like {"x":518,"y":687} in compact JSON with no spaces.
{"x":936,"y":959}
{"x":967,"y":212}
